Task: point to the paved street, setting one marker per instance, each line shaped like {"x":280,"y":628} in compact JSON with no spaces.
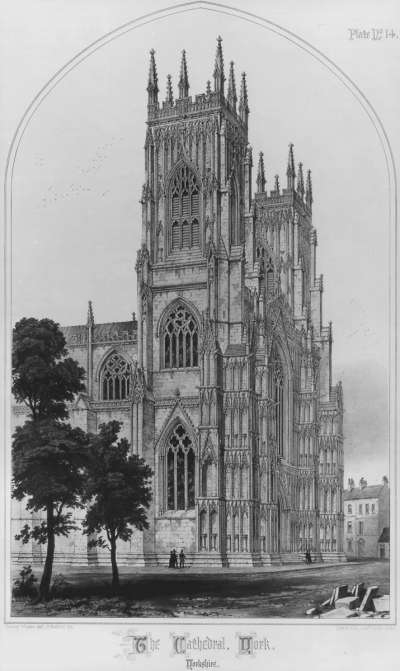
{"x":280,"y":592}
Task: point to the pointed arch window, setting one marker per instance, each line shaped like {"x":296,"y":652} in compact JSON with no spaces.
{"x":184,"y":210}
{"x":180,"y":336}
{"x":180,"y":471}
{"x":116,"y":379}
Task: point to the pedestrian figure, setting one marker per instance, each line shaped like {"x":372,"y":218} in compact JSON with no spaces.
{"x":174,"y":559}
{"x":308,"y":557}
{"x":182,"y":559}
{"x":171,"y":559}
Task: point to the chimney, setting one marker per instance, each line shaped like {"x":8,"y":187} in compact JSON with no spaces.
{"x":350,"y":484}
{"x":385,"y":481}
{"x":363,"y":483}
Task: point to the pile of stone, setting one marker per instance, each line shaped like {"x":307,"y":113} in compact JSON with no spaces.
{"x":360,"y":602}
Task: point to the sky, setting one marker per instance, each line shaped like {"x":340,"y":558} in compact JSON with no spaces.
{"x":80,"y":167}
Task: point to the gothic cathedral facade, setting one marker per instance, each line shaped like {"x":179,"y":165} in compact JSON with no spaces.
{"x":224,"y":383}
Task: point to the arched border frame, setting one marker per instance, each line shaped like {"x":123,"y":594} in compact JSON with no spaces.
{"x":360,"y":97}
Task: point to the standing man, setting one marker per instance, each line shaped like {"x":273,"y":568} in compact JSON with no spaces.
{"x":182,"y":559}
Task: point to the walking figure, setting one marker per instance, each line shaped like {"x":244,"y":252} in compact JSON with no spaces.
{"x":174,"y":559}
{"x":182,"y":559}
{"x":171,"y":559}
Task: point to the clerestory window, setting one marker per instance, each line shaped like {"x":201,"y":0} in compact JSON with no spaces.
{"x":184,"y":210}
{"x":180,"y":339}
{"x":180,"y":471}
{"x":116,"y":379}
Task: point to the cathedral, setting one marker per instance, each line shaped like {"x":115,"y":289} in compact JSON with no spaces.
{"x":223,"y":381}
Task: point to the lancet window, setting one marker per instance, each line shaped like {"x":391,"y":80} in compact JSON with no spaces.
{"x":184,"y":210}
{"x":116,"y":379}
{"x":180,"y":471}
{"x":180,"y":339}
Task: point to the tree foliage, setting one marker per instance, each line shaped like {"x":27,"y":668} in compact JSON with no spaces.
{"x":44,"y":378}
{"x":48,"y":455}
{"x":117,"y":489}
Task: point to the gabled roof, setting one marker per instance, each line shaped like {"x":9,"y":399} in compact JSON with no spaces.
{"x":368,"y":492}
{"x":385,"y":535}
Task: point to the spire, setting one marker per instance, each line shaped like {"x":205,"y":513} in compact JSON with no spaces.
{"x":152,"y":86}
{"x":208,"y":88}
{"x":170,"y":96}
{"x":232,"y":97}
{"x":300,"y":181}
{"x":90,"y":317}
{"x":277,"y":185}
{"x":290,"y":172}
{"x":309,"y":196}
{"x":183,"y":85}
{"x":219,"y":77}
{"x":261,"y":174}
{"x":244,"y":103}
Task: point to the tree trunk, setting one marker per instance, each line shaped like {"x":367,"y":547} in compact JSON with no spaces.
{"x":115,"y":574}
{"x":44,"y":589}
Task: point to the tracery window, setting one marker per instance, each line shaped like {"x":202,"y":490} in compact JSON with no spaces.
{"x":180,"y":339}
{"x":116,"y":379}
{"x":233,"y":214}
{"x":185,"y":210}
{"x":180,"y":471}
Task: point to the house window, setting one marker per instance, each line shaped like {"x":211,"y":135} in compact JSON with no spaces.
{"x":367,"y":509}
{"x":349,"y":527}
{"x":349,"y":509}
{"x":116,"y":379}
{"x":180,"y":471}
{"x":372,"y":508}
{"x":184,"y":210}
{"x":180,"y":339}
{"x":360,"y":509}
{"x":361,"y":528}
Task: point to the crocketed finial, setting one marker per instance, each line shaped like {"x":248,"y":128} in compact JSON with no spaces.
{"x":170,"y":96}
{"x":152,"y":85}
{"x":219,"y":77}
{"x":183,"y":85}
{"x":309,"y":196}
{"x":300,"y":181}
{"x":232,"y":97}
{"x":261,"y":174}
{"x":243,"y":103}
{"x":90,"y":317}
{"x":290,"y":172}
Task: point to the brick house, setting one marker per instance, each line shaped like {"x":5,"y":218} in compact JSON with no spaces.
{"x":366,"y":514}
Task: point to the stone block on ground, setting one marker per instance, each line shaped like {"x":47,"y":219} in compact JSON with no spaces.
{"x":313,"y":612}
{"x":367,"y":602}
{"x":358,"y":590}
{"x":339,"y":614}
{"x":382,"y":603}
{"x":350,"y":602}
{"x":338,"y":593}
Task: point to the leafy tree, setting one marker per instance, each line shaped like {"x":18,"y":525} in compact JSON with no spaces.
{"x":118,"y":492}
{"x":43,"y":377}
{"x":47,"y":454}
{"x":48,"y":470}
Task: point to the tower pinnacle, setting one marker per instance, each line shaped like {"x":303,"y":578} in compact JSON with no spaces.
{"x":261,"y":174}
{"x":300,"y":181}
{"x":243,"y":103}
{"x":170,"y":96}
{"x":90,"y":317}
{"x":309,"y":196}
{"x":219,"y":77}
{"x":183,"y":85}
{"x":290,"y":172}
{"x":232,"y":97}
{"x":152,"y":86}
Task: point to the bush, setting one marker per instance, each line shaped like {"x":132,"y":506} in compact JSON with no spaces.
{"x":59,"y":587}
{"x":25,"y":584}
